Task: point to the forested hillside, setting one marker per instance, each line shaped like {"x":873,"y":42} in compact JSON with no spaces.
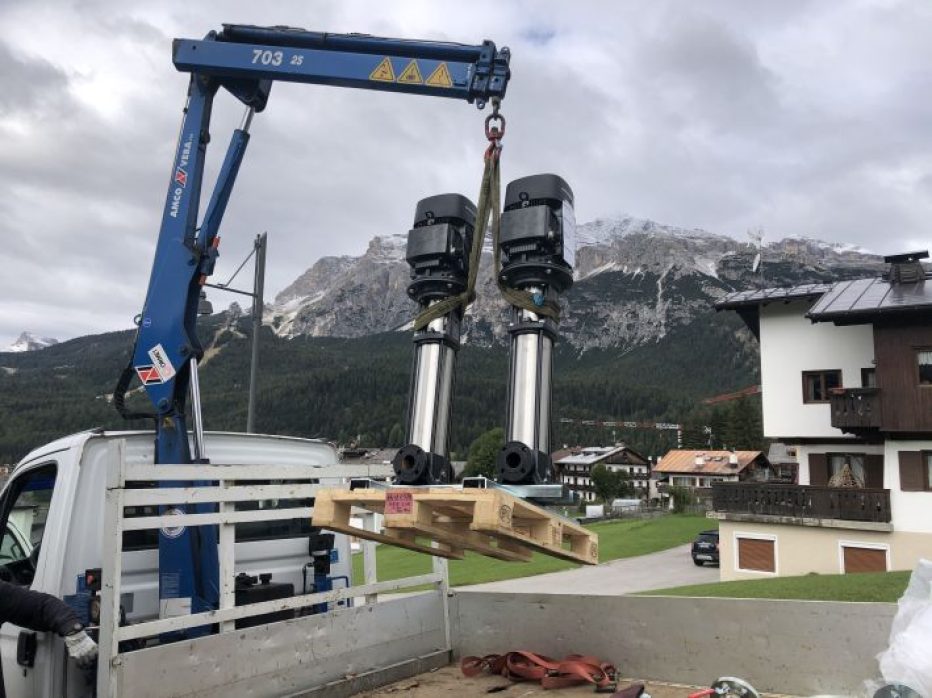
{"x":349,"y":390}
{"x":640,"y":341}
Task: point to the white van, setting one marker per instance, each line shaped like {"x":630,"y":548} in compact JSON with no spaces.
{"x":52,"y":514}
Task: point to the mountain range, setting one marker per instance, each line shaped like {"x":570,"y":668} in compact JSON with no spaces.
{"x":639,"y":341}
{"x":635,"y":280}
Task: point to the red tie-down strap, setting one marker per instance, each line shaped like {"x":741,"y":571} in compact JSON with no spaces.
{"x":551,"y":673}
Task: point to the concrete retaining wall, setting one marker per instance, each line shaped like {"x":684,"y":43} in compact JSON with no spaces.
{"x":796,"y":647}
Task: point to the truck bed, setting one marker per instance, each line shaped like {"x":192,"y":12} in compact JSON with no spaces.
{"x":449,"y":681}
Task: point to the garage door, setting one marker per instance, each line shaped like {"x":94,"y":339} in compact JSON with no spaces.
{"x":864,"y":559}
{"x":756,"y":554}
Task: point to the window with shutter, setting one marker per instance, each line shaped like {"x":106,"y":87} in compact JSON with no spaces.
{"x":914,"y":471}
{"x":818,"y":469}
{"x":817,"y":385}
{"x":855,"y":463}
{"x":874,"y":470}
{"x":861,"y":559}
{"x":756,"y":554}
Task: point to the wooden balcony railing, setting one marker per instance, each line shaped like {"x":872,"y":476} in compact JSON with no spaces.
{"x":802,"y":501}
{"x":855,"y":409}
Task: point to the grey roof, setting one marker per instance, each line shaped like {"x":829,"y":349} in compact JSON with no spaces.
{"x":591,"y":455}
{"x":761,"y":296}
{"x":780,"y":453}
{"x":871,"y":297}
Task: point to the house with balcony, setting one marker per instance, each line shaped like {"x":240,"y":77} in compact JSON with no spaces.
{"x":700,"y":470}
{"x":846,"y":375}
{"x":574,"y":467}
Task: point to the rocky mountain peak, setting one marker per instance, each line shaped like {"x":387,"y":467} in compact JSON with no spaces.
{"x":28,"y":341}
{"x":387,"y":248}
{"x":635,"y":280}
{"x":607,"y":230}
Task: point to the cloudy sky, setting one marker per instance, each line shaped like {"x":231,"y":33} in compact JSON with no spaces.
{"x":802,"y":118}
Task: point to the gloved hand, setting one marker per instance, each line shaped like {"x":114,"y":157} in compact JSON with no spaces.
{"x":81,"y":648}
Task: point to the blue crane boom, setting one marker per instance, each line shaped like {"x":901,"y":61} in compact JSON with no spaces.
{"x":245,"y":61}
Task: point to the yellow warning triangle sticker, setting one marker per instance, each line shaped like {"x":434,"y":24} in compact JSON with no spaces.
{"x":440,"y":77}
{"x":411,"y":75}
{"x":383,"y":71}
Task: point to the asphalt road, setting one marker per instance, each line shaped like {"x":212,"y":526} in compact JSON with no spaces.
{"x":668,"y":568}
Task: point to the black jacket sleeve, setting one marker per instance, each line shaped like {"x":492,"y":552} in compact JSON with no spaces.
{"x":35,"y":610}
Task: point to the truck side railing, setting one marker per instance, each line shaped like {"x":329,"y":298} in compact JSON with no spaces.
{"x":124,"y":490}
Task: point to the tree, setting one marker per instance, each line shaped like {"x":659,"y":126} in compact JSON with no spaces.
{"x":625,"y":486}
{"x":694,"y":436}
{"x":719,"y":425}
{"x":396,"y":436}
{"x":482,"y":453}
{"x":681,"y":498}
{"x":744,"y":424}
{"x":604,"y":483}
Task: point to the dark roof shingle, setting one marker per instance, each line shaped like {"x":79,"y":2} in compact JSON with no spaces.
{"x":760,"y":296}
{"x":866,"y":297}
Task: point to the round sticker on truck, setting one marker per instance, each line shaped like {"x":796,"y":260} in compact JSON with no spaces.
{"x":173,"y":531}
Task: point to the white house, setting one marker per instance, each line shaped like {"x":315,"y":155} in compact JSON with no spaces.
{"x":846,"y":373}
{"x":574,"y":466}
{"x":699,"y":470}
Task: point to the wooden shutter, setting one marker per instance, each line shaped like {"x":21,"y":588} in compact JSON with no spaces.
{"x":911,"y":475}
{"x":873,"y":471}
{"x":818,"y":469}
{"x":864,"y":559}
{"x":756,"y":554}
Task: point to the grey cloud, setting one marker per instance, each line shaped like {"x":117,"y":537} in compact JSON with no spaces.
{"x":27,"y":82}
{"x":800,"y":117}
{"x":703,"y":72}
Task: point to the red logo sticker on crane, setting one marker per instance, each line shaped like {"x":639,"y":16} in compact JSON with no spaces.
{"x":181,"y":177}
{"x":148,"y":375}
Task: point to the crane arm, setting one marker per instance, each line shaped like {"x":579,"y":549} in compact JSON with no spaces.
{"x":245,"y":61}
{"x":241,"y":52}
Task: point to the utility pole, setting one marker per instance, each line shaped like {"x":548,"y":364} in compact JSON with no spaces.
{"x":259,"y":247}
{"x":258,"y":305}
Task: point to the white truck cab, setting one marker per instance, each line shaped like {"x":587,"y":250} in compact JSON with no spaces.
{"x":52,"y":518}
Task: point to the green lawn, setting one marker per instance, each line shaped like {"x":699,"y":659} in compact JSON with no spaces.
{"x":876,"y":586}
{"x":616,"y":540}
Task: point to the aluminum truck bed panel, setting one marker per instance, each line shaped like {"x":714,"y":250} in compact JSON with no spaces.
{"x":281,"y":659}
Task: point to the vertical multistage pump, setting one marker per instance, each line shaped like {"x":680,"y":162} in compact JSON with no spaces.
{"x":537,"y":246}
{"x":438,"y":254}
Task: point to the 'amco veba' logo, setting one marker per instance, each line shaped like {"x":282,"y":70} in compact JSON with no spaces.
{"x":181,"y":176}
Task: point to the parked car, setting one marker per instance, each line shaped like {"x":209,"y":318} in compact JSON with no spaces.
{"x":705,"y":548}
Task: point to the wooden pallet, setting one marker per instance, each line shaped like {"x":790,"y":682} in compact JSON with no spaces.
{"x":447,"y":521}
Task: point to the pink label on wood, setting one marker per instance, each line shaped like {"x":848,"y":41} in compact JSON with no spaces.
{"x":399,"y":502}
